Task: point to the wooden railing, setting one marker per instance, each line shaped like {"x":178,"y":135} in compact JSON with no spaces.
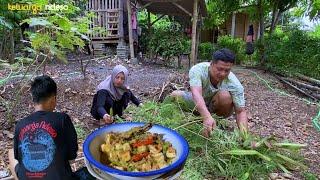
{"x":106,"y":18}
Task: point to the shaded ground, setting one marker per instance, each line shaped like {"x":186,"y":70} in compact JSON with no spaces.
{"x":287,"y":117}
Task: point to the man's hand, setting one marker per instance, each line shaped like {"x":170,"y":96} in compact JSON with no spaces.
{"x":208,"y":124}
{"x":107,"y":118}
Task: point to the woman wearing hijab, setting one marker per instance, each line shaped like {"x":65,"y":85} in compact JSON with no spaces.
{"x":112,"y":93}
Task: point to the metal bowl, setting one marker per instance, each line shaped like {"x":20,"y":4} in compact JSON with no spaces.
{"x":91,"y":149}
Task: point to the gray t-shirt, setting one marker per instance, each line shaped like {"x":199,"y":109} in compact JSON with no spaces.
{"x":199,"y":76}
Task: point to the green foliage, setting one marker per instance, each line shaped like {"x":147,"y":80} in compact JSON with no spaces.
{"x":236,"y":45}
{"x":314,"y":8}
{"x":205,"y":51}
{"x":81,"y":133}
{"x":293,"y":51}
{"x":58,"y":32}
{"x":219,"y":11}
{"x":166,"y":38}
{"x":316,"y":32}
{"x":4,"y":23}
{"x":310,"y":176}
{"x":51,"y":32}
{"x":224,"y":155}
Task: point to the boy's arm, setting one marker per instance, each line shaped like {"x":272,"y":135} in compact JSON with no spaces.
{"x":71,"y":139}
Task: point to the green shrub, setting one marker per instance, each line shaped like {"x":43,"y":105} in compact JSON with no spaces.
{"x":205,"y":51}
{"x":166,"y":38}
{"x":236,"y":45}
{"x":293,"y":51}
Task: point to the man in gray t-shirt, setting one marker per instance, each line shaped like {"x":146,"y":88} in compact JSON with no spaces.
{"x":217,"y":90}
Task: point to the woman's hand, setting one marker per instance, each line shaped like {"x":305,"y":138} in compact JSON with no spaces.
{"x":108,"y":119}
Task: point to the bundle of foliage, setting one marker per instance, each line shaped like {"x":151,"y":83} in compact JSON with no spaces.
{"x":225,"y":154}
{"x":293,"y":51}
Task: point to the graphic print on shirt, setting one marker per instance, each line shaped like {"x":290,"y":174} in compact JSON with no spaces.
{"x":37,"y":146}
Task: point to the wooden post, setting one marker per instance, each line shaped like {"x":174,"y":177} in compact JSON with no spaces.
{"x":233,"y":25}
{"x":120,"y":23}
{"x":194,"y":30}
{"x":197,"y":43}
{"x":130,"y":29}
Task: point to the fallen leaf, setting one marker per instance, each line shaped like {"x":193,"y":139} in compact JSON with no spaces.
{"x":76,"y":120}
{"x":8,"y":134}
{"x":67,"y":90}
{"x":273,"y":176}
{"x":288,"y":124}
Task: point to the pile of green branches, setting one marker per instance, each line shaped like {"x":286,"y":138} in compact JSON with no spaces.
{"x":225,"y":154}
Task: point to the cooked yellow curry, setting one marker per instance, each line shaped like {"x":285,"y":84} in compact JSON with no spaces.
{"x":136,"y":150}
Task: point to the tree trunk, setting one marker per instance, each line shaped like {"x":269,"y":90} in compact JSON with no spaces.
{"x":193,"y":33}
{"x":261,"y":18}
{"x":4,"y":50}
{"x":12,"y":55}
{"x":150,"y":53}
{"x":197,"y":44}
{"x":274,"y":12}
{"x":277,"y":18}
{"x":273,"y":22}
{"x":261,"y":24}
{"x":2,"y":44}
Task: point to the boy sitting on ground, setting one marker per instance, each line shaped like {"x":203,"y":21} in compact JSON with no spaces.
{"x":44,"y":141}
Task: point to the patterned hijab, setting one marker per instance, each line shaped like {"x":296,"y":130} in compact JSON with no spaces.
{"x":108,"y":83}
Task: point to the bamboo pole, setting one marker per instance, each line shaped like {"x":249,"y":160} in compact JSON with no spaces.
{"x":309,"y":79}
{"x":130,"y":29}
{"x":307,"y":86}
{"x":194,"y":30}
{"x":296,"y":88}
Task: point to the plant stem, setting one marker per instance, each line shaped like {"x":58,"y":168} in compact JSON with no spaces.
{"x":18,"y":94}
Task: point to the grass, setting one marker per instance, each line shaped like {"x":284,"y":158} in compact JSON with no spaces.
{"x":225,"y":154}
{"x":81,"y":132}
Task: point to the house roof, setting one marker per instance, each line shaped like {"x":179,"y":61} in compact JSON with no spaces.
{"x":170,"y":7}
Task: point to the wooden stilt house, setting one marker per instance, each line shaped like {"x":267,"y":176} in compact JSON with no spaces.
{"x":107,"y":18}
{"x":110,"y":16}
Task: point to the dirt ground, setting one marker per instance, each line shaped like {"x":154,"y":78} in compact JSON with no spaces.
{"x":288,"y":117}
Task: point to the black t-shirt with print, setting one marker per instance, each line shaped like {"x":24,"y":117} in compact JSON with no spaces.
{"x":44,"y":142}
